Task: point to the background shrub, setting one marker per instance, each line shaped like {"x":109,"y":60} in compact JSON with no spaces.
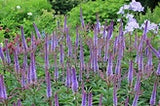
{"x":15,"y":13}
{"x":152,"y":16}
{"x":106,"y":10}
{"x":63,"y":6}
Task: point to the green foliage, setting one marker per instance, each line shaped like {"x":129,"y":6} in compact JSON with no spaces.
{"x":152,"y":16}
{"x":63,"y":6}
{"x":105,"y":9}
{"x":15,"y":13}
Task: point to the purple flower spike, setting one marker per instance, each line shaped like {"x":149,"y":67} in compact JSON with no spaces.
{"x":140,"y":62}
{"x":81,"y":18}
{"x":55,"y":68}
{"x":65,"y":23}
{"x":69,"y":44}
{"x":95,"y":59}
{"x":153,"y":96}
{"x":68,"y":76}
{"x":7,"y":52}
{"x":158,"y":70}
{"x":90,"y":99}
{"x":100,"y":100}
{"x":61,"y":54}
{"x":33,"y":74}
{"x":48,"y":82}
{"x":149,"y":62}
{"x":109,"y":71}
{"x":3,"y":94}
{"x":19,"y":103}
{"x":23,"y":39}
{"x":77,"y":38}
{"x":153,"y":49}
{"x":130,"y":73}
{"x":82,"y":65}
{"x":135,"y":100}
{"x":84,"y":96}
{"x":95,"y":38}
{"x":115,"y":100}
{"x":37,"y":31}
{"x":46,"y":47}
{"x":106,"y":48}
{"x":138,"y":83}
{"x":2,"y":54}
{"x":74,"y":80}
{"x":56,"y":100}
{"x":16,"y":61}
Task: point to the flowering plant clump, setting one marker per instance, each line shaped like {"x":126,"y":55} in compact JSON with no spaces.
{"x":106,"y":69}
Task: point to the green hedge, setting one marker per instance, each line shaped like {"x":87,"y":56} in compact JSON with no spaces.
{"x":105,"y":9}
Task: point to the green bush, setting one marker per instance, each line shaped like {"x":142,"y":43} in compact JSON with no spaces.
{"x":63,"y":6}
{"x":15,"y":13}
{"x":106,"y":10}
{"x":152,"y":16}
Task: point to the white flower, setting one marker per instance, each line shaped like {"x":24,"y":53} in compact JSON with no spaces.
{"x":136,"y":6}
{"x":18,"y":7}
{"x":121,"y":11}
{"x":29,"y":13}
{"x":131,"y":25}
{"x":125,"y":7}
{"x":129,"y":16}
{"x":1,"y":44}
{"x":150,"y":26}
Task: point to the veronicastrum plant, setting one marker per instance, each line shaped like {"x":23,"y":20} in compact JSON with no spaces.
{"x":106,"y":69}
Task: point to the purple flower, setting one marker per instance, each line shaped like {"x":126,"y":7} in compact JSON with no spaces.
{"x":3,"y":94}
{"x":16,"y":61}
{"x":46,"y":48}
{"x":55,"y":68}
{"x":19,"y":102}
{"x":77,"y":38}
{"x":69,"y":44}
{"x":56,"y":102}
{"x":81,"y":18}
{"x":136,"y":6}
{"x":68,"y":76}
{"x":65,"y":23}
{"x":84,"y":98}
{"x":2,"y":54}
{"x":61,"y":54}
{"x":48,"y":82}
{"x":153,"y":49}
{"x":153,"y":96}
{"x":74,"y":80}
{"x":90,"y":99}
{"x":37,"y":31}
{"x":82,"y":65}
{"x":140,"y":62}
{"x":95,"y":59}
{"x":135,"y":100}
{"x":33,"y":74}
{"x":130,"y":73}
{"x":115,"y":100}
{"x":7,"y":52}
{"x":100,"y":100}
{"x":138,"y":83}
{"x":158,"y":70}
{"x":95,"y":38}
{"x":23,"y":39}
{"x":109,"y":71}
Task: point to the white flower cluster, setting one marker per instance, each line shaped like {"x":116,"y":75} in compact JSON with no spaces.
{"x":18,"y":7}
{"x":150,"y":26}
{"x":132,"y":22}
{"x":29,"y":13}
{"x":134,"y":6}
